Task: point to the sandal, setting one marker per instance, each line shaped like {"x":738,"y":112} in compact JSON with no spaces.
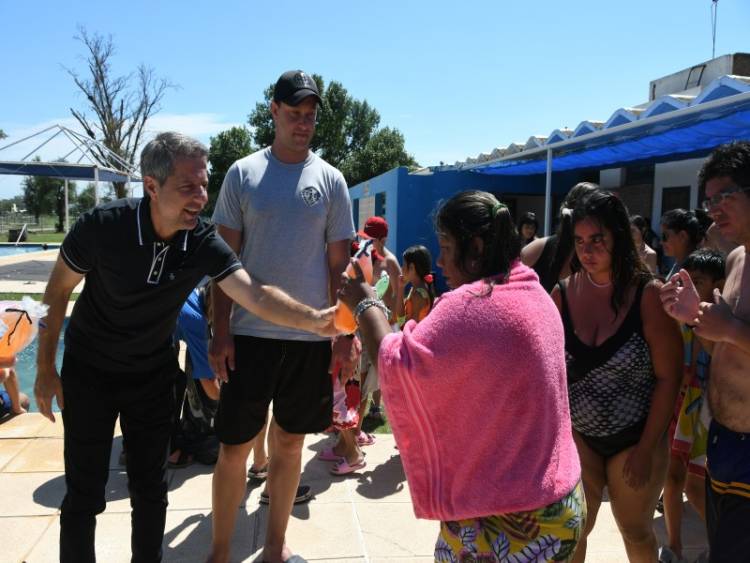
{"x":343,"y":467}
{"x":260,"y":474}
{"x":329,"y":455}
{"x":304,"y":494}
{"x":184,"y":460}
{"x":365,"y":439}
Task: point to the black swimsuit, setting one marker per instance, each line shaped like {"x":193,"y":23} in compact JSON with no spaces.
{"x":610,"y":385}
{"x":543,"y":265}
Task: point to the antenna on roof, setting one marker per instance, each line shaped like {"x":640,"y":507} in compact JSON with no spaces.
{"x":714,"y":9}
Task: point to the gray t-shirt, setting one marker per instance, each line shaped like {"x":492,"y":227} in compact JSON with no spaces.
{"x":287,"y":214}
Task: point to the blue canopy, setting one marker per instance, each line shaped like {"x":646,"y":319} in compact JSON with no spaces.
{"x":683,"y":133}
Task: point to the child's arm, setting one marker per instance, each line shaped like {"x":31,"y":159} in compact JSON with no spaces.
{"x":418,"y":302}
{"x":11,"y":386}
{"x":400,"y":288}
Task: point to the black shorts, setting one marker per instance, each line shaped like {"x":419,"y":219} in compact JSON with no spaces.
{"x":293,"y":374}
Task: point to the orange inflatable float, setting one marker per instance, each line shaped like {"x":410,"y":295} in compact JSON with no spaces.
{"x":19,"y":324}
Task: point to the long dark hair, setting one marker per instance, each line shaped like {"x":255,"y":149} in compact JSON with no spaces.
{"x":683,"y":220}
{"x":529,"y":218}
{"x":627,"y":267}
{"x":479,"y":214}
{"x":422,"y":260}
{"x":564,"y":233}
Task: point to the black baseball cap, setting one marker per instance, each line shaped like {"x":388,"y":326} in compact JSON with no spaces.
{"x":294,"y":86}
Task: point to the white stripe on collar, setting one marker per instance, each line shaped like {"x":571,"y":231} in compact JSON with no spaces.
{"x":138,"y":219}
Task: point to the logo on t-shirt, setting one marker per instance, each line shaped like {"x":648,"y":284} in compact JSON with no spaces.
{"x":311,"y":195}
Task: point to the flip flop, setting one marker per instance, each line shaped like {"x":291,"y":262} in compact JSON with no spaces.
{"x":304,"y":494}
{"x":365,"y":439}
{"x":329,"y":455}
{"x":343,"y":467}
{"x":260,"y":474}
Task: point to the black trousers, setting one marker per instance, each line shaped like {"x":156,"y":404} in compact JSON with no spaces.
{"x":93,"y":399}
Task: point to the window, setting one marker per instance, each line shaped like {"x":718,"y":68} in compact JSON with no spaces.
{"x":639,"y":174}
{"x":380,"y":204}
{"x":677,"y":197}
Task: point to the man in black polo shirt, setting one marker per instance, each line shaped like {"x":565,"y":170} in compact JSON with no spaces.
{"x":141,"y":258}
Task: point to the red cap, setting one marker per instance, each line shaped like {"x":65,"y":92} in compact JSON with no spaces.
{"x":375,"y":227}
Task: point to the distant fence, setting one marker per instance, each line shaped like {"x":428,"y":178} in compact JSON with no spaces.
{"x":9,"y":221}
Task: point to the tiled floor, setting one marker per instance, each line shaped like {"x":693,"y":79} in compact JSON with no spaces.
{"x":367,"y":517}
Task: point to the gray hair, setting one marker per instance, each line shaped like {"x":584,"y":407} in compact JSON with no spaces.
{"x":159,"y":155}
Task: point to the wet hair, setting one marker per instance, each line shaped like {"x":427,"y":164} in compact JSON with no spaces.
{"x":730,"y":160}
{"x":707,"y":261}
{"x":529,"y":218}
{"x":473,"y":214}
{"x":421,"y":258}
{"x":159,"y":155}
{"x":682,"y":220}
{"x":564,"y":232}
{"x":628,"y":268}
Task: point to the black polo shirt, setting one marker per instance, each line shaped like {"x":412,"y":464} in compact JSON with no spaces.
{"x":135,"y":283}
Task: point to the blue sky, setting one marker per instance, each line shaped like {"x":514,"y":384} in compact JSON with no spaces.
{"x":457,"y":78}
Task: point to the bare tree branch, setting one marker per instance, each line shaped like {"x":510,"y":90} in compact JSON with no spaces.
{"x":121,"y":105}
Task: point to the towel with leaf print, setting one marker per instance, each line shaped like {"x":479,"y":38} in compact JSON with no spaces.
{"x":547,"y":534}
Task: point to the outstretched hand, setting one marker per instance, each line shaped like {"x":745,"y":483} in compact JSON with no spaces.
{"x":354,"y":289}
{"x":324,"y":322}
{"x":680,"y":298}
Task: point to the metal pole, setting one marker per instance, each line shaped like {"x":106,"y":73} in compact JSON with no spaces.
{"x":548,"y":195}
{"x":96,"y":185}
{"x":67,"y":211}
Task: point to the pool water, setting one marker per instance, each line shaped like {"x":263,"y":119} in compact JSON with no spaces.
{"x":11,"y":249}
{"x":26,"y":368}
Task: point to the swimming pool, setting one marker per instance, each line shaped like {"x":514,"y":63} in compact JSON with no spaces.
{"x":12,"y":249}
{"x":26,"y":367}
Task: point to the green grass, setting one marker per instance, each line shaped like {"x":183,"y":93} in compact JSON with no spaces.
{"x":45,"y":237}
{"x":35,"y":296}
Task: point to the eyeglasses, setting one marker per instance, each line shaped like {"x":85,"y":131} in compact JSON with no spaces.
{"x":307,"y":119}
{"x":718,"y":198}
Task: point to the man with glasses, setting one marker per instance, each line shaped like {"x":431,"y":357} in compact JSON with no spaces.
{"x":287,"y":212}
{"x":724,"y":326}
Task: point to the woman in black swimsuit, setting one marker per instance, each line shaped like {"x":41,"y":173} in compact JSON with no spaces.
{"x":550,"y":256}
{"x":623,"y":354}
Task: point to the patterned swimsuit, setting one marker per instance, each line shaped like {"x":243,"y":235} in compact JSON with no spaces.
{"x":610,"y":385}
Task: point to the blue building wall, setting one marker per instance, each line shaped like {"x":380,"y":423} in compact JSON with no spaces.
{"x":412,"y":199}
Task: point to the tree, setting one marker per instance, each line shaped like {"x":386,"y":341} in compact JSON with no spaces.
{"x":383,"y":151}
{"x":2,"y":134}
{"x":43,"y":195}
{"x":345,"y":128}
{"x":121,"y":104}
{"x":86,"y":199}
{"x":225,"y":148}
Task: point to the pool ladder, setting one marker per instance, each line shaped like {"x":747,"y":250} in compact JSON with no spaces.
{"x":20,"y":234}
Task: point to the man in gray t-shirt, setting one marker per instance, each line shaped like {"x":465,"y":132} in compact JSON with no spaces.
{"x":287,"y":214}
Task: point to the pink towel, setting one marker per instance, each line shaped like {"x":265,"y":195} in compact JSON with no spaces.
{"x":477,"y":398}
